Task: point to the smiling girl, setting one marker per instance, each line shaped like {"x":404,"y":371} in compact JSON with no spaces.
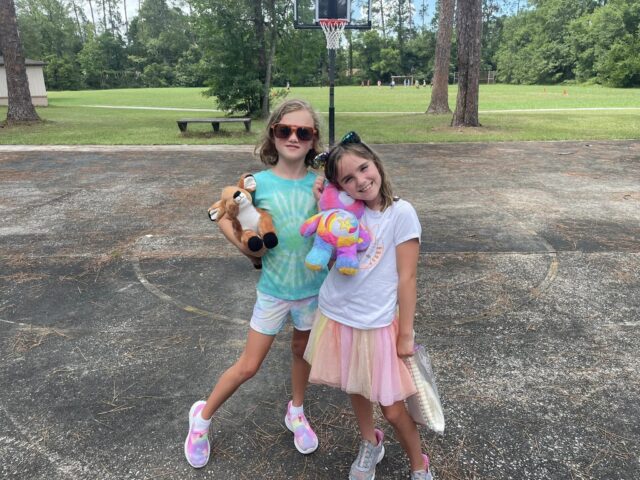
{"x":286,"y":288}
{"x":365,"y":323}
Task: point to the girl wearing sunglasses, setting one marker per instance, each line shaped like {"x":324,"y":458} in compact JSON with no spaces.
{"x":286,"y":288}
{"x":359,"y":338}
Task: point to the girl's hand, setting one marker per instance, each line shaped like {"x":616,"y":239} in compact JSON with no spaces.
{"x":318,"y":187}
{"x":405,"y":346}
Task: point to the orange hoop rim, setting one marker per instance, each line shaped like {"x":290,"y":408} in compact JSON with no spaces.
{"x":333,"y":22}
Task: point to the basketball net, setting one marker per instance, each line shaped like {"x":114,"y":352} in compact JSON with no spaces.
{"x":333,"y":28}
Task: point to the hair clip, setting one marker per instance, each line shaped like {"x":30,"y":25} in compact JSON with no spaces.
{"x":351,"y":137}
{"x":320,"y":160}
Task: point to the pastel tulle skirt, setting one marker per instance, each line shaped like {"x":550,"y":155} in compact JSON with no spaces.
{"x":358,"y":361}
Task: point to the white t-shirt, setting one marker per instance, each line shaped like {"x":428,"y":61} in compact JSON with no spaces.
{"x":368,"y":299}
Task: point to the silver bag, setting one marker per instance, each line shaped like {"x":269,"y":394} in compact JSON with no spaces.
{"x":424,"y":407}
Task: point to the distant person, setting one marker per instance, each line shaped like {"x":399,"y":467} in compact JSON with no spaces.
{"x":368,"y":83}
{"x":286,"y":288}
{"x":358,"y":340}
{"x":393,"y":83}
{"x":379,"y":83}
{"x":288,"y":86}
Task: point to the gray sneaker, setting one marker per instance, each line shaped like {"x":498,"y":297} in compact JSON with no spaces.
{"x":423,"y":474}
{"x":364,"y":467}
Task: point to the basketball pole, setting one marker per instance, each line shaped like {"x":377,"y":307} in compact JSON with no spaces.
{"x":333,"y":26}
{"x":332,"y":112}
{"x":333,"y":13}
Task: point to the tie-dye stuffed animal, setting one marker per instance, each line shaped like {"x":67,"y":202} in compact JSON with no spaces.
{"x":338,"y":230}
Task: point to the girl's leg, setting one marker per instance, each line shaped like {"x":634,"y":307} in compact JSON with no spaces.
{"x":299,"y":367}
{"x":255,"y":351}
{"x":406,"y":431}
{"x":371,"y":449}
{"x":304,"y":438}
{"x":363,"y":410}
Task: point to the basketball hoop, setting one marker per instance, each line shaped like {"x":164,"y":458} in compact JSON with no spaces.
{"x":333,"y":28}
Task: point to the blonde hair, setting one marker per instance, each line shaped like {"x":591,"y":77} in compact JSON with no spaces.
{"x":266,"y":148}
{"x":362,"y":150}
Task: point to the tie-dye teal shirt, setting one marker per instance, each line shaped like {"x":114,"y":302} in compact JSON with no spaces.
{"x":290,"y":203}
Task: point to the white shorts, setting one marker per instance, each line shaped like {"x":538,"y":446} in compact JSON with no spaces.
{"x":270,"y":313}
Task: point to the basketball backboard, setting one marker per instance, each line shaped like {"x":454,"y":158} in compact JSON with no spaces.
{"x":356,"y":12}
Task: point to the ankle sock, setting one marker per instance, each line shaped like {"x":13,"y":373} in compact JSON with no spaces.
{"x":200,"y":424}
{"x":294,"y":411}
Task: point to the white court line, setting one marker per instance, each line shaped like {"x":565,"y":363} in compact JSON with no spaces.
{"x":124,"y":107}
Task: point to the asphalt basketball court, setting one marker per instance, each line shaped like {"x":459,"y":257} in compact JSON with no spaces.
{"x":120,"y":305}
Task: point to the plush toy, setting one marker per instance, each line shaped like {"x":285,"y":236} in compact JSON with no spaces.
{"x":338,"y":230}
{"x":252,"y":226}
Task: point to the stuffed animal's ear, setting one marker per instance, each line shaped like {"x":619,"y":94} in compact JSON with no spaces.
{"x":248,"y":182}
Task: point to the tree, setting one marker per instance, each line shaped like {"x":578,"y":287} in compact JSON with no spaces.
{"x":368,"y":47}
{"x":51,"y":31}
{"x":606,"y":44}
{"x":20,"y":107}
{"x":47,"y":28}
{"x":469,"y":26}
{"x":440,"y":91}
{"x":103,"y":61}
{"x":300,"y":58}
{"x":492,"y":25}
{"x":240,"y":42}
{"x":536,"y":45}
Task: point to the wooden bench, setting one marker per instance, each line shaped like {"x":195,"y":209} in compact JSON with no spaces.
{"x":215,"y":122}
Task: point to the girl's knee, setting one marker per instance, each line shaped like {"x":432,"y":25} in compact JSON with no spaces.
{"x":395,"y":413}
{"x":246,"y":370}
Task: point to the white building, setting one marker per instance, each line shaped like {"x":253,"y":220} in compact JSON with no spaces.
{"x":36,"y":83}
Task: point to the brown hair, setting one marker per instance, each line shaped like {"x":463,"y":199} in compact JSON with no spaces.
{"x":362,"y":150}
{"x":266,"y":148}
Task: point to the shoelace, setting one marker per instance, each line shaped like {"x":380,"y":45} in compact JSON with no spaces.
{"x":364,"y":456}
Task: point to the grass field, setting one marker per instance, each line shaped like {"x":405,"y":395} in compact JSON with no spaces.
{"x":379,"y":114}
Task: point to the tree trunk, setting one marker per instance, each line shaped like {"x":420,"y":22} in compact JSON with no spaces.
{"x":469,"y":26}
{"x":126,"y":20}
{"x":401,"y":34}
{"x":93,"y":19}
{"x":258,"y":21}
{"x":78,"y":24}
{"x":104,"y":16}
{"x":269,"y":61}
{"x":20,"y":107}
{"x":440,"y":85}
{"x":384,"y":32}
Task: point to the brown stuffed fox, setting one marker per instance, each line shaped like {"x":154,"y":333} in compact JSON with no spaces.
{"x":252,"y":226}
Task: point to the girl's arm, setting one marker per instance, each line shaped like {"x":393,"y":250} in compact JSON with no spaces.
{"x":407,"y":255}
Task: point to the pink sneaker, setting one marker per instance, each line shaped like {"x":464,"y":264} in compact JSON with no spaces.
{"x":196,"y":446}
{"x":304,"y":438}
{"x":423,"y":474}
